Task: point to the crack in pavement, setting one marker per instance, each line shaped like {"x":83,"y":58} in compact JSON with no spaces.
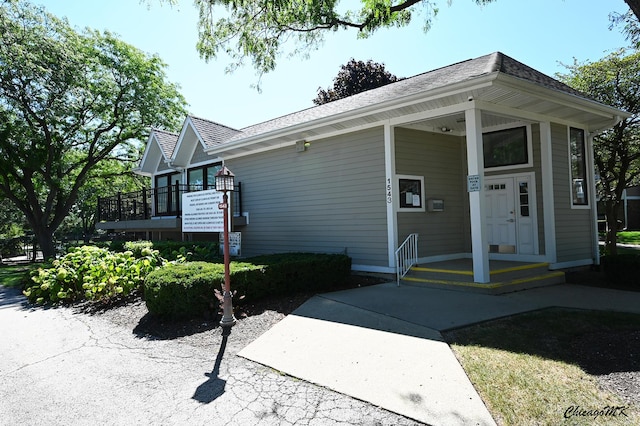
{"x":99,"y":372}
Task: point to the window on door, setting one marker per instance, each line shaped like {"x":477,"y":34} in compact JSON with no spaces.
{"x":577,"y":153}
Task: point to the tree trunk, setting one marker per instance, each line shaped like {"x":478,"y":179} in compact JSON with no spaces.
{"x":634,"y":5}
{"x":44,"y":239}
{"x":611,"y":241}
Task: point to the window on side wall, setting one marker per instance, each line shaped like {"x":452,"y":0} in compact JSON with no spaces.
{"x":577,"y":152}
{"x":202,"y":177}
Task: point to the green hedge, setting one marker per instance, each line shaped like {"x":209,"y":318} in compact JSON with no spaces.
{"x":622,"y":270}
{"x":188,"y":289}
{"x":191,"y":251}
{"x":289,"y":273}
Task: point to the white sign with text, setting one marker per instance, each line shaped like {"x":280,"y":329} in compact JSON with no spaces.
{"x":200,"y":212}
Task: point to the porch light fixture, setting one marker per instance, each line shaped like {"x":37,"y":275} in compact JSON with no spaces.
{"x":224,"y":184}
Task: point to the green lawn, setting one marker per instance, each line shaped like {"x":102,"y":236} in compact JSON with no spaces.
{"x":532,"y":368}
{"x":13,"y":276}
{"x":629,"y":237}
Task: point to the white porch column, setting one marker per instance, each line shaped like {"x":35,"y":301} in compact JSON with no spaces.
{"x":591,"y":179}
{"x":548,"y":203}
{"x":390,"y":193}
{"x":475,"y":164}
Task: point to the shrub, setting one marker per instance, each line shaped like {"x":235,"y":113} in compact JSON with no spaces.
{"x":136,"y":247}
{"x":622,"y":270}
{"x":177,"y":250}
{"x":188,"y":290}
{"x":289,"y":273}
{"x":91,"y":273}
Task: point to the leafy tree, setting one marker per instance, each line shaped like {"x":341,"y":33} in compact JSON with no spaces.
{"x":70,"y":102}
{"x":12,"y":230}
{"x":257,"y":30}
{"x":355,"y":77}
{"x":106,"y":178}
{"x":614,"y":81}
{"x":630,"y":26}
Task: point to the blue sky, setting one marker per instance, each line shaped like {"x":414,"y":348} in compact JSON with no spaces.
{"x":540,"y":33}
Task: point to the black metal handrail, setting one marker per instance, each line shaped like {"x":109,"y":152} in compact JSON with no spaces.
{"x":153,"y":202}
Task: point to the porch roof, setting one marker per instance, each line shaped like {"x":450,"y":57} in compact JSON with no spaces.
{"x":495,"y":79}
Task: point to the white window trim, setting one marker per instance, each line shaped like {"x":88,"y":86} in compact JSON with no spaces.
{"x":529,"y":162}
{"x":422,"y":207}
{"x":587,"y":172}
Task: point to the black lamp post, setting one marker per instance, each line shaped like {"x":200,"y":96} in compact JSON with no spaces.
{"x":224,"y":184}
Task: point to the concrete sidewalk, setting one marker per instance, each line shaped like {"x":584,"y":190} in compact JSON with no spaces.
{"x":382,"y":344}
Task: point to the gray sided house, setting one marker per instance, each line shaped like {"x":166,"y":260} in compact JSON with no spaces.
{"x":483,"y":159}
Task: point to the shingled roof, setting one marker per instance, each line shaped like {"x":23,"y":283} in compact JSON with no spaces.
{"x":212,"y":133}
{"x":496,"y":62}
{"x":166,"y":140}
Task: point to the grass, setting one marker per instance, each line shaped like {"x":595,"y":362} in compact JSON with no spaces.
{"x":531,"y":368}
{"x":14,"y":276}
{"x":629,"y":237}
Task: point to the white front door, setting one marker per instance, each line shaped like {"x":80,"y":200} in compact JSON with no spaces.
{"x":511,"y":214}
{"x":500,"y":215}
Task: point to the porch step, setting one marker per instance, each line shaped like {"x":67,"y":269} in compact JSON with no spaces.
{"x":504,"y":276}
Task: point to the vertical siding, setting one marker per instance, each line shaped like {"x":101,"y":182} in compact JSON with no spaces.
{"x":328,"y":199}
{"x":440,"y":159}
{"x":573,"y":226}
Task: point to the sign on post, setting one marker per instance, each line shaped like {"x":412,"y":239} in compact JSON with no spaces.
{"x":235,"y":243}
{"x":473,"y":183}
{"x":201,"y":213}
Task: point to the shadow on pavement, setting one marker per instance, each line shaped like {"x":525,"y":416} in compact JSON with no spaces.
{"x":214,"y":387}
{"x":155,"y":327}
{"x":11,"y":297}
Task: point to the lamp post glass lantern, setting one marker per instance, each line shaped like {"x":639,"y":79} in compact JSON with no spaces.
{"x":224,"y":183}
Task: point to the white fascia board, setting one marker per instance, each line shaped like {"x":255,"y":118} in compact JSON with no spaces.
{"x":152,"y":138}
{"x":153,"y":153}
{"x":179,"y":145}
{"x":141,"y":172}
{"x":180,"y":138}
{"x":449,"y":90}
{"x":564,"y":98}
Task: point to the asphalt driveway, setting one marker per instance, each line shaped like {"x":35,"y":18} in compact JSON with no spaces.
{"x":60,"y":367}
